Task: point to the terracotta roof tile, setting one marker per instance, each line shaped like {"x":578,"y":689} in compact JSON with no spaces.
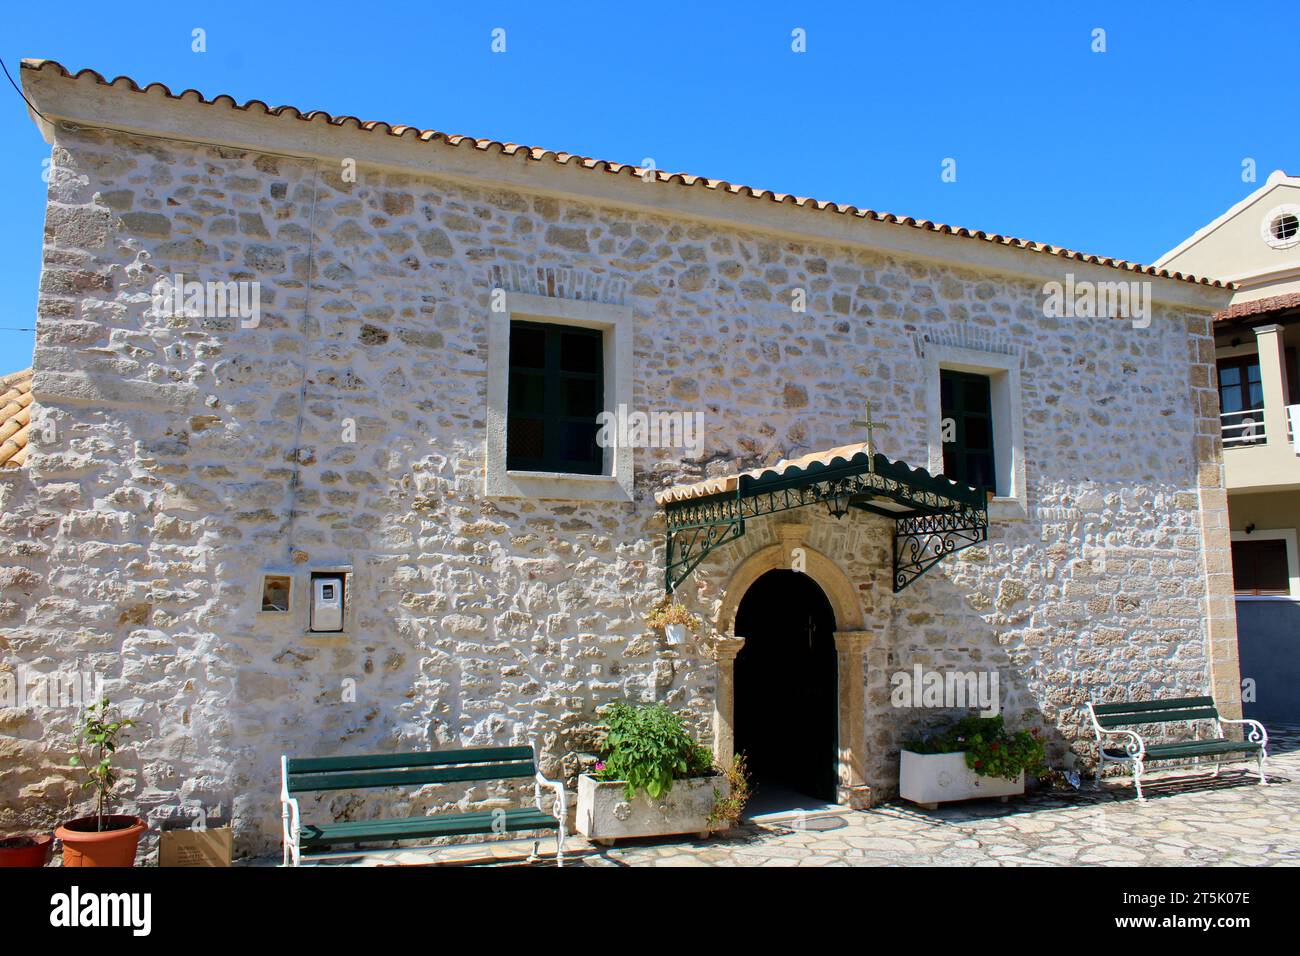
{"x":1273,"y":303}
{"x":712,"y":486}
{"x":15,"y":417}
{"x":538,"y":154}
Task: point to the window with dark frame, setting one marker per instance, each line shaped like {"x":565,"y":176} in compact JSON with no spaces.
{"x":1259,"y":568}
{"x":1240,"y":385}
{"x":557,"y":388}
{"x":1241,"y":390}
{"x":967,"y":400}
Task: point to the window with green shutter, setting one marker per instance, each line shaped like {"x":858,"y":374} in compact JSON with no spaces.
{"x":557,"y":388}
{"x":967,"y":404}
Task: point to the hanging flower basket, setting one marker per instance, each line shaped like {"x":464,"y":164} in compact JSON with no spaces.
{"x":673,"y":619}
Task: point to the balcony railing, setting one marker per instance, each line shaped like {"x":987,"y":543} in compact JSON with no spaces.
{"x":1245,"y":427}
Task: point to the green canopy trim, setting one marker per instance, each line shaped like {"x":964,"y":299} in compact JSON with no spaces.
{"x":933,"y":516}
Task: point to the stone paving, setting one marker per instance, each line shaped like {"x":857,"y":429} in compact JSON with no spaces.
{"x":1188,"y":819}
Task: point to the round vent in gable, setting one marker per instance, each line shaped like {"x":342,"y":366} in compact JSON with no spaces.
{"x":1281,"y":226}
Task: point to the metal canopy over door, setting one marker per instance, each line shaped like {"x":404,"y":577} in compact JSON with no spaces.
{"x":933,"y":515}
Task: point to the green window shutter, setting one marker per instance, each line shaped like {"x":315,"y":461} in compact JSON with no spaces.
{"x":557,"y":388}
{"x":967,"y":400}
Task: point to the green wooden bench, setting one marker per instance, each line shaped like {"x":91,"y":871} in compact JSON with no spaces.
{"x":314,"y":841}
{"x":1108,"y":720}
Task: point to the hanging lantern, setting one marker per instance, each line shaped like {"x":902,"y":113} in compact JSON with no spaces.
{"x":838,"y":503}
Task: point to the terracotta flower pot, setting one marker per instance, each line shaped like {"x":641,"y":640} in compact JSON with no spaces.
{"x":115,"y":845}
{"x":26,"y":852}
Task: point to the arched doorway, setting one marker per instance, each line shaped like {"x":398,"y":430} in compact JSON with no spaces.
{"x":786,"y":687}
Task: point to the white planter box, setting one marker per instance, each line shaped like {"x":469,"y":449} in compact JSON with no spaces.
{"x":931,"y":779}
{"x":675,"y":634}
{"x":605,"y":813}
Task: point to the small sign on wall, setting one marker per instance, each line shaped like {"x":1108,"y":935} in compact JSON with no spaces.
{"x":211,"y":847}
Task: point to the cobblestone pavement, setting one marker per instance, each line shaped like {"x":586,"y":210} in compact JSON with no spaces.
{"x":1188,"y":819}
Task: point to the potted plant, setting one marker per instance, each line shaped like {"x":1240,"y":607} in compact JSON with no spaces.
{"x":673,"y":619}
{"x":104,"y":839}
{"x":727,"y":807}
{"x":653,"y":779}
{"x":26,"y":850}
{"x":976,"y":757}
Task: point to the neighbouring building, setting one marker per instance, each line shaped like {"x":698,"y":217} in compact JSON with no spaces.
{"x":1255,"y":245}
{"x":314,"y":464}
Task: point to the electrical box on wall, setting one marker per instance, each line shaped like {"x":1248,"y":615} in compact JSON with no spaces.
{"x":327,"y":597}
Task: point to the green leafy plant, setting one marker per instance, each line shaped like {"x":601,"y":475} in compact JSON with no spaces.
{"x":727,"y":809}
{"x":101,"y":725}
{"x":667,"y":611}
{"x":647,"y":747}
{"x":990,"y":750}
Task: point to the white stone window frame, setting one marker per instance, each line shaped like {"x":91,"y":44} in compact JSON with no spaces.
{"x":1003,"y":371}
{"x":615,"y":322}
{"x":1292,"y":561}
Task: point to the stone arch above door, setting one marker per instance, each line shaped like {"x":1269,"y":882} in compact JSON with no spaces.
{"x":835,"y":584}
{"x":851,"y":642}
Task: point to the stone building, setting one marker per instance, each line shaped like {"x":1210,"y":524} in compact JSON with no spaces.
{"x":394,"y":396}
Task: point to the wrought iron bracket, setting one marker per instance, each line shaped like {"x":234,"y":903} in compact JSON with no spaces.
{"x":696,"y":529}
{"x":923,"y":541}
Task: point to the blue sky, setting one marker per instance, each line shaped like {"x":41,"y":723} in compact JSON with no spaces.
{"x":1122,"y":153}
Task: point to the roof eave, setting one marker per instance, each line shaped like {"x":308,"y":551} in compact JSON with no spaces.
{"x":87,"y":100}
{"x":1275,"y":179}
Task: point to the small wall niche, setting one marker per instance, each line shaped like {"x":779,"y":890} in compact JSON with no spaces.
{"x":277,"y":593}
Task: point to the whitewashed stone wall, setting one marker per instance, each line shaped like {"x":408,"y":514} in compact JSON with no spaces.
{"x":178,"y":458}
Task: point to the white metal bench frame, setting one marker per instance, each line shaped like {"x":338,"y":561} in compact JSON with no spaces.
{"x":1135,"y":747}
{"x":291,"y":819}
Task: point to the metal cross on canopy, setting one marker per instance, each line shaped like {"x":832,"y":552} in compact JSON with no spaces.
{"x":871,"y":427}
